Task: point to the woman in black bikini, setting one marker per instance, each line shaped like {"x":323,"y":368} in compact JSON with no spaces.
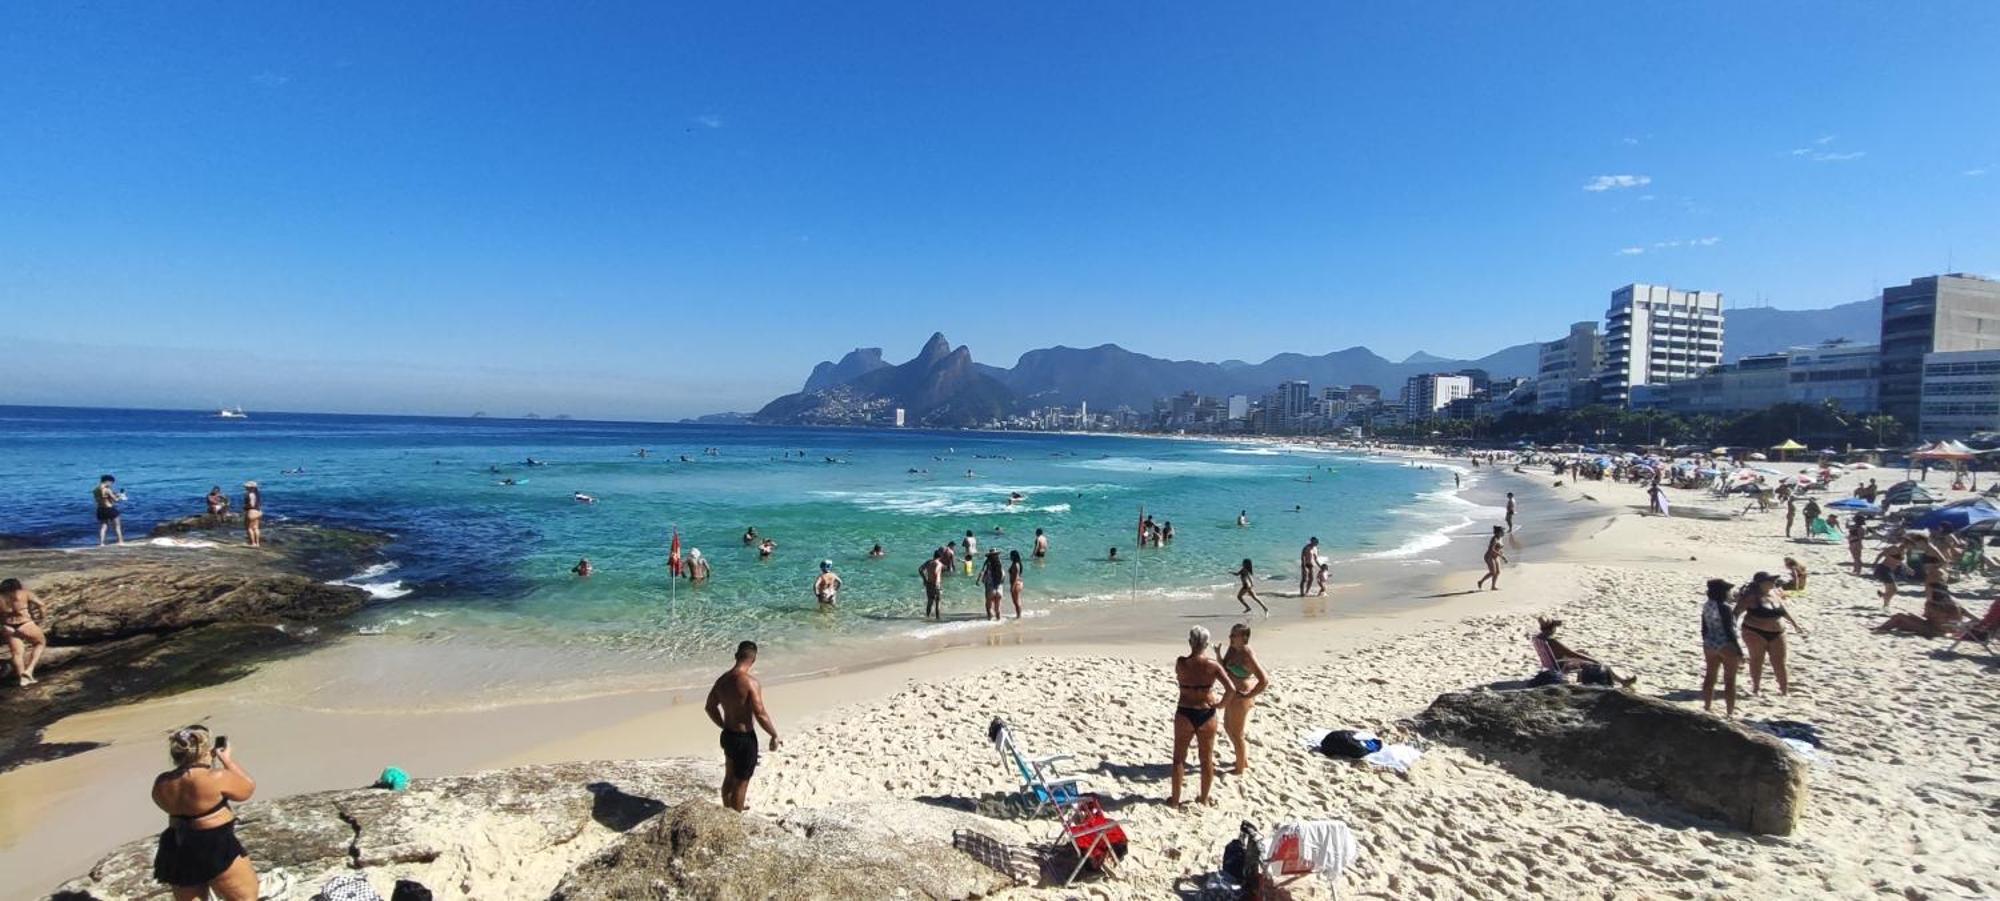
{"x":25,"y":641}
{"x":1887,"y":562}
{"x":1246,"y":590}
{"x":1494,"y":557}
{"x":198,"y":852}
{"x":1194,"y":714}
{"x":1764,"y":630}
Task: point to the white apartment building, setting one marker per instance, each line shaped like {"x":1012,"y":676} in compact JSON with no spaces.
{"x":1961,"y":394}
{"x":1654,"y":334}
{"x":1568,"y":366}
{"x":1424,"y":395}
{"x":1848,"y":374}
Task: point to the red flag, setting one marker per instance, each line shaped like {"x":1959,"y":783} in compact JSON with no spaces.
{"x":674,"y":555}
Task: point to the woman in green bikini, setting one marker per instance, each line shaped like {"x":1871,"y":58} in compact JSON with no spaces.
{"x":1241,"y":662}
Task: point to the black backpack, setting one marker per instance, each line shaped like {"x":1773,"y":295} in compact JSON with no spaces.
{"x":1342,"y":743}
{"x":1243,"y":859}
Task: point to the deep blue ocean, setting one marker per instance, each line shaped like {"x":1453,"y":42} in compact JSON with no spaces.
{"x":476,"y":559}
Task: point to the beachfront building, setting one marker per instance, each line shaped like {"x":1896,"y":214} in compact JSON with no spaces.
{"x":1363,"y":395}
{"x":1932,"y":315}
{"x":1295,"y":403}
{"x":1654,"y":335}
{"x":1960,"y":394}
{"x":1239,"y":407}
{"x":1846,"y":374}
{"x":1752,"y":383}
{"x":1566,"y":375}
{"x":1424,"y":395}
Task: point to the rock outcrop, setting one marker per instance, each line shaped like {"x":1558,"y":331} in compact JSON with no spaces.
{"x":701,"y":850}
{"x":1610,"y":744}
{"x":576,"y":831}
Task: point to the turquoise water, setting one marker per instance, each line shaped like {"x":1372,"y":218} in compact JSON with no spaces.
{"x":477,"y":561}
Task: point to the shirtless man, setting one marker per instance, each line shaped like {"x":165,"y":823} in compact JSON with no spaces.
{"x":932,"y":573}
{"x":736,"y":706}
{"x":1510,"y":512}
{"x":827,"y":586}
{"x":25,"y":640}
{"x":106,"y":497}
{"x":1308,"y":564}
{"x":1041,"y":544}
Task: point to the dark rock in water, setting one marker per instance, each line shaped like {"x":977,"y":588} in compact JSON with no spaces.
{"x":200,"y":522}
{"x":701,"y":850}
{"x":1599,"y":742}
{"x":148,"y":598}
{"x":502,"y":834}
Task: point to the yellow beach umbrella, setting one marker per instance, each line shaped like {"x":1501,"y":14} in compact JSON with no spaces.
{"x":1786,"y":447}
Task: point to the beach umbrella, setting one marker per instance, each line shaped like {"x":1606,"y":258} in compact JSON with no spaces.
{"x":1943,"y":450}
{"x":1787,"y":447}
{"x":1853,"y":503}
{"x":1758,"y":457}
{"x":1958,"y":515}
{"x":1910,"y":493}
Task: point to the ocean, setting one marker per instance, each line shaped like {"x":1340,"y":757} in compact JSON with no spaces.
{"x":476,"y":564}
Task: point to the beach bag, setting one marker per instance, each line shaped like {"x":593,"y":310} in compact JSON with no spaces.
{"x":1594,"y":674}
{"x":1090,"y":815}
{"x":1242,"y":859}
{"x":1344,"y":743}
{"x":410,"y":890}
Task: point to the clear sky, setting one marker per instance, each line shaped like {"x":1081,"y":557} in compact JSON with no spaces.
{"x":654,"y":210}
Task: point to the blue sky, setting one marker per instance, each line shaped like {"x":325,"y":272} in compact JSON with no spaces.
{"x":627,"y":209}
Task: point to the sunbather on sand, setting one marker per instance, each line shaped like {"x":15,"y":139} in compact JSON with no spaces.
{"x":1569,"y":660}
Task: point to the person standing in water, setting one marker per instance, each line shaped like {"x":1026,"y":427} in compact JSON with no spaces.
{"x":826,"y":588}
{"x":991,"y":577}
{"x":1014,"y":580}
{"x":106,"y":497}
{"x":736,"y":706}
{"x":1308,"y":564}
{"x":1510,"y":511}
{"x":932,"y":573}
{"x":1041,"y":545}
{"x":1242,"y":519}
{"x":1246,"y":591}
{"x":1494,"y":557}
{"x":253,"y":514}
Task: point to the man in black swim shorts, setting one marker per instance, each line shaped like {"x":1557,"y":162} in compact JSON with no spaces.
{"x":736,"y":705}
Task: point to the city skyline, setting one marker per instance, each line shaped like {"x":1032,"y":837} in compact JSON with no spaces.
{"x":652,"y":214}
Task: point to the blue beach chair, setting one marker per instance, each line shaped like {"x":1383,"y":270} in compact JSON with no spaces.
{"x":1041,"y":782}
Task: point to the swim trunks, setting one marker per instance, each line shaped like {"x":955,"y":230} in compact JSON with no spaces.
{"x":739,"y":750}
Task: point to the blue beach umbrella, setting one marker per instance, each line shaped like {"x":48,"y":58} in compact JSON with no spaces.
{"x":1853,"y":503}
{"x":1958,"y":514}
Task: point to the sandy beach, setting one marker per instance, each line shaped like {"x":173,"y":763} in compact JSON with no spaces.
{"x":1900,"y":801}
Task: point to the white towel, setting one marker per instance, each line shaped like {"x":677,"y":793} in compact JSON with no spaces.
{"x":1394,"y":757}
{"x":1327,"y":845}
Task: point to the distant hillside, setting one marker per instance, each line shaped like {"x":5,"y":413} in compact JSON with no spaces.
{"x":1762,"y":330}
{"x":858,"y":362}
{"x":940,"y":387}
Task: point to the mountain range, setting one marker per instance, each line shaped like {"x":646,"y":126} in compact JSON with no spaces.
{"x":943,"y":387}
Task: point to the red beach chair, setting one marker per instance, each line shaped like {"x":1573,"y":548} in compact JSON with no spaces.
{"x":1981,"y":631}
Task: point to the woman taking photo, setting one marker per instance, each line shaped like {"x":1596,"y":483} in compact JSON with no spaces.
{"x":198,"y":852}
{"x":1194,"y":713}
{"x":1241,"y":663}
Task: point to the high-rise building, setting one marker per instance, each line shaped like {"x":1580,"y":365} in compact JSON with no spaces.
{"x":1294,"y":403}
{"x":1654,"y":334}
{"x":1363,"y":395}
{"x":1424,"y":395}
{"x":1566,"y":375}
{"x":1239,"y":406}
{"x":1961,"y":394}
{"x":1933,"y":314}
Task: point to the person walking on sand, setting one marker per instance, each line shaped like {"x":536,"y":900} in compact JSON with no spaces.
{"x":1494,"y":557}
{"x":826,"y":588}
{"x":932,"y":573}
{"x":991,"y":578}
{"x":1856,"y":534}
{"x":25,"y":641}
{"x":1246,"y":590}
{"x":1241,"y":663}
{"x":1721,"y":647}
{"x":199,"y":853}
{"x":1194,"y":711}
{"x":736,"y":706}
{"x":1041,"y":545}
{"x":1308,"y":564}
{"x":253,"y":514}
{"x":106,"y":497}
{"x":1510,"y":511}
{"x":1014,"y":580}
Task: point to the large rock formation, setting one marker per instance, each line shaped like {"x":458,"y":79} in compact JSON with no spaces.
{"x":701,"y":850}
{"x":581,"y":831}
{"x":1601,"y":743}
{"x":502,"y":834}
{"x":939,"y":387}
{"x":127,"y":623}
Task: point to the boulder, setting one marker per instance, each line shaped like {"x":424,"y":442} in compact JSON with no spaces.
{"x":888,"y":849}
{"x":502,"y":834}
{"x":155,"y":597}
{"x":1599,"y":743}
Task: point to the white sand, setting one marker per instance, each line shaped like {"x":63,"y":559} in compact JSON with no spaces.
{"x":1902,"y":802}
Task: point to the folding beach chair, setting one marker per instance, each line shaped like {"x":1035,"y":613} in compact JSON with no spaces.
{"x":1981,"y":631}
{"x":1041,"y":781}
{"x":1096,"y":838}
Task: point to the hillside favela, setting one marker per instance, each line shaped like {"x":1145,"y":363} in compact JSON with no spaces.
{"x":627,"y":452}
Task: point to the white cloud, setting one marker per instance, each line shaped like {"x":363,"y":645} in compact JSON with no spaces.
{"x":1709,"y":241}
{"x":1975,"y":173}
{"x":1630,"y":141}
{"x":1646,"y":196}
{"x":1802,"y":151}
{"x":269,"y":79}
{"x":1630,"y":251}
{"x":1608,"y":182}
{"x":1837,"y":157}
{"x":1823,"y":140}
{"x":708,"y":120}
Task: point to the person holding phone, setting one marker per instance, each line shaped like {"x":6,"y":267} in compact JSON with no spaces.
{"x":198,"y":852}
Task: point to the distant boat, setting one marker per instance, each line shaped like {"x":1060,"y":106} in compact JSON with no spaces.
{"x":231,"y":413}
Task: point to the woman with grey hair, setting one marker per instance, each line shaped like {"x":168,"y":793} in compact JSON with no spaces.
{"x":1194,"y":713}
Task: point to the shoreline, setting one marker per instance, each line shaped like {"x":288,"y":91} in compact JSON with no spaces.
{"x":264,"y":713}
